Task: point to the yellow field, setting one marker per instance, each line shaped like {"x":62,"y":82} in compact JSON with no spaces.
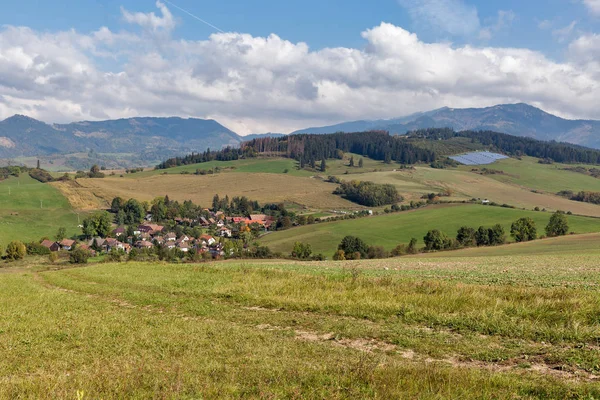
{"x":467,"y":185}
{"x":262,"y":187}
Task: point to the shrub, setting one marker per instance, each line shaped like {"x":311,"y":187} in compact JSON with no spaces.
{"x":53,"y":257}
{"x":37,"y":249}
{"x":15,"y":250}
{"x":339,"y":255}
{"x":465,"y":236}
{"x":301,"y":251}
{"x":368,"y":193}
{"x":79,"y":256}
{"x":377,"y":252}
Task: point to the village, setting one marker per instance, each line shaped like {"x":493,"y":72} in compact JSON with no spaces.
{"x":213,"y":230}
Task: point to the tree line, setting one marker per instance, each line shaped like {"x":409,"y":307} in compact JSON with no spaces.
{"x":516,"y":145}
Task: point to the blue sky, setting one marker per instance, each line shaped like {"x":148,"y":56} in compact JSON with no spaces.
{"x":96,"y":59}
{"x":320,"y":24}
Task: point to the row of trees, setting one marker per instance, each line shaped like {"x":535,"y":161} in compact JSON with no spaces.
{"x":583,"y":196}
{"x":227,"y":154}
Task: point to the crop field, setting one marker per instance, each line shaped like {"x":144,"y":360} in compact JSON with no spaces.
{"x":263,"y":187}
{"x":472,"y":185}
{"x":390,"y":230}
{"x":479,"y":327}
{"x":33,"y":210}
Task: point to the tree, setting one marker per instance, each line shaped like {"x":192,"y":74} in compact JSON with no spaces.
{"x":95,"y":169}
{"x":301,"y":250}
{"x":116,"y":204}
{"x":436,"y":240}
{"x":38,"y":164}
{"x":351,"y":161}
{"x":558,"y":225}
{"x":16,"y":250}
{"x":482,"y":236}
{"x":61,"y":234}
{"x":360,"y":163}
{"x":352,"y":246}
{"x":98,"y":224}
{"x":523,"y":230}
{"x":465,"y":236}
{"x":134,"y":212}
{"x":496,"y":235}
{"x":323,"y":165}
{"x":412,"y":246}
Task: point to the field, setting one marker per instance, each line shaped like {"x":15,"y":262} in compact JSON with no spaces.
{"x":503,"y":327}
{"x":263,"y":187}
{"x":551,"y":178}
{"x":391,"y":229}
{"x":33,"y":210}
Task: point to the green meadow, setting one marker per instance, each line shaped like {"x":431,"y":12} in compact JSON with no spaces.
{"x":30,"y":210}
{"x":502,"y":328}
{"x":389,"y":230}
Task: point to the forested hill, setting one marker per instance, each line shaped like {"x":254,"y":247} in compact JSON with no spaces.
{"x":309,"y":149}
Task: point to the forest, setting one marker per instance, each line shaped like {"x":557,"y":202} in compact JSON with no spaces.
{"x":308,"y":149}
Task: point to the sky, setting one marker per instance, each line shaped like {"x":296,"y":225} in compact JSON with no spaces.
{"x":277,"y":66}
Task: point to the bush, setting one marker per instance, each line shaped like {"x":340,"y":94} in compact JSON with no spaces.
{"x":301,"y":251}
{"x":34,"y":248}
{"x":377,"y":252}
{"x":41,"y":175}
{"x":16,"y":250}
{"x":115,"y":255}
{"x":79,"y":256}
{"x":53,"y":257}
{"x":339,"y":255}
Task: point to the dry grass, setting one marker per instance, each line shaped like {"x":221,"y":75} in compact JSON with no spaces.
{"x":80,"y":197}
{"x":263,"y":187}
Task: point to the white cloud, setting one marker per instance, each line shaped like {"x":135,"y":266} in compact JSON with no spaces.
{"x":545,"y":24}
{"x":593,"y":6}
{"x":452,"y":16}
{"x":563,"y":34}
{"x":270,"y":84}
{"x":150,"y":20}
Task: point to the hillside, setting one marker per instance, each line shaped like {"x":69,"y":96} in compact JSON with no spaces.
{"x":515,"y":119}
{"x":156,"y":137}
{"x":389,"y":230}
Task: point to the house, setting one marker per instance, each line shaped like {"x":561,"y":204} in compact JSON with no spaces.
{"x":170,"y":237}
{"x":148,"y":217}
{"x":67,"y":244}
{"x":225,"y":232}
{"x":485,"y":201}
{"x":49,"y":244}
{"x":204,"y":221}
{"x":148,"y":228}
{"x":119,"y":231}
{"x":143,"y":244}
{"x":207,"y":239}
{"x":114,"y":244}
{"x":88,"y":248}
{"x":100,"y":243}
{"x":183,"y":246}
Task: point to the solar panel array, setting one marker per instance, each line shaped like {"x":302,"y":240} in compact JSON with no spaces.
{"x":478,"y":158}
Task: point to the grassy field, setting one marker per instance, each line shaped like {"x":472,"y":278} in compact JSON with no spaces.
{"x":551,"y":178}
{"x":21,"y":215}
{"x":263,"y":187}
{"x":502,"y":328}
{"x":391,"y":229}
{"x":571,"y":245}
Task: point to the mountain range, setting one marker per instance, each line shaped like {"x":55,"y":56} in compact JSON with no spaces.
{"x":24,"y":136}
{"x":514,"y":119}
{"x":164,"y":137}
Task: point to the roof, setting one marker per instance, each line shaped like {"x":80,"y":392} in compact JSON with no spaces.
{"x":47,"y":243}
{"x":67,"y":242}
{"x":206,"y":237}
